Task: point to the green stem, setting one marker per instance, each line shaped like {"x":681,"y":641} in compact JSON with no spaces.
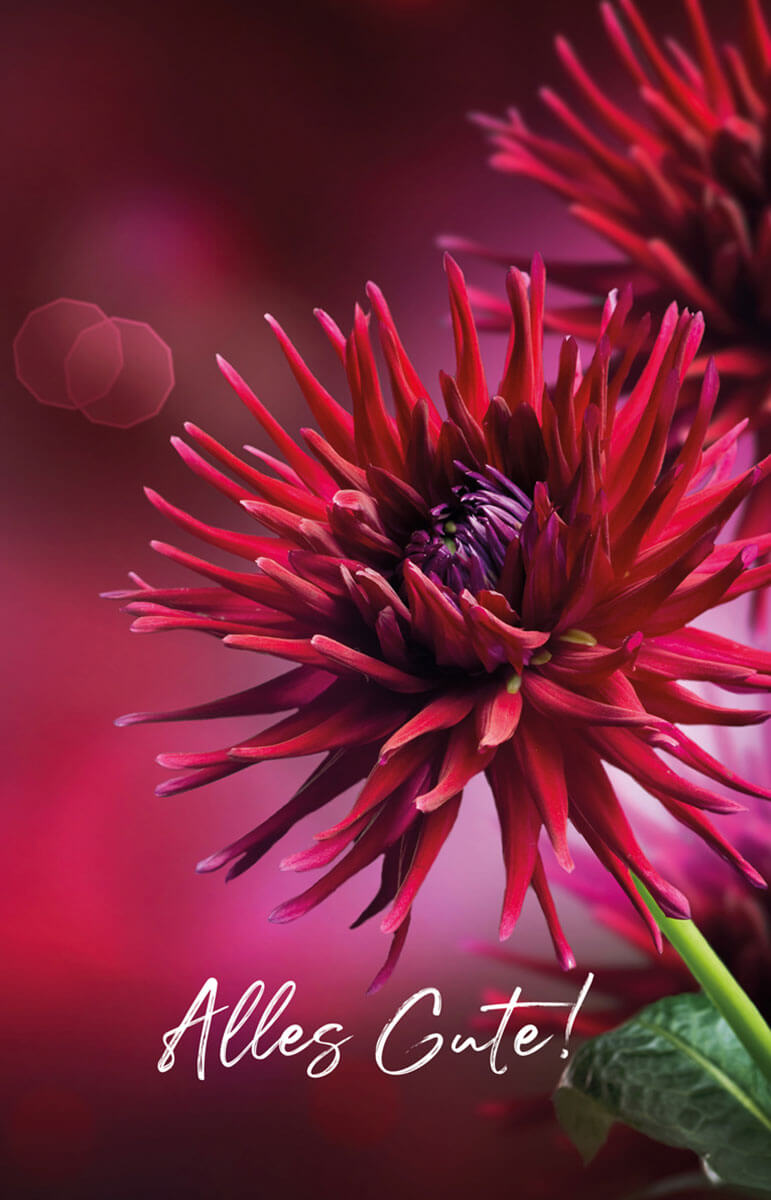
{"x":731,"y":1001}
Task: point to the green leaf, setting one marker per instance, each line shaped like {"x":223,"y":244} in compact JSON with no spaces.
{"x":676,"y":1072}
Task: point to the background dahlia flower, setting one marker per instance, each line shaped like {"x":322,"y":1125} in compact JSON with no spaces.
{"x":507,"y":588}
{"x":682,"y":188}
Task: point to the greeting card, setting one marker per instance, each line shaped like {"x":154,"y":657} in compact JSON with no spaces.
{"x":427,"y":850}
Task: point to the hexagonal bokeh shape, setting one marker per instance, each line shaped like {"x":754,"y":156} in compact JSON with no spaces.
{"x":115,"y":371}
{"x":144,"y":383}
{"x":41,"y":346}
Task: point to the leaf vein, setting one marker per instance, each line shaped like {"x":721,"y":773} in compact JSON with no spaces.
{"x":711,"y":1068}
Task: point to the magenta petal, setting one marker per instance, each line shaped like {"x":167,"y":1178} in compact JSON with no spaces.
{"x":520,"y":826}
{"x":394,"y":954}
{"x":542,"y":768}
{"x":565,"y":956}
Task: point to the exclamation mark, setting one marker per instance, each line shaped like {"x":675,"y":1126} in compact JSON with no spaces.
{"x":574,"y":1013}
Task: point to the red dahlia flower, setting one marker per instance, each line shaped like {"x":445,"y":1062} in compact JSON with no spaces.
{"x":505,"y":589}
{"x":683,"y":190}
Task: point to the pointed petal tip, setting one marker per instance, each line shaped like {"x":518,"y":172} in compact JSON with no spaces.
{"x":277,"y":328}
{"x":390,"y":923}
{"x":382,"y":978}
{"x":168,"y":788}
{"x":135,"y":718}
{"x":229,"y":372}
{"x":677,"y":909}
{"x":211,"y":863}
{"x":284,"y":913}
{"x":752,"y":876}
{"x":452,"y":269}
{"x":156,"y":499}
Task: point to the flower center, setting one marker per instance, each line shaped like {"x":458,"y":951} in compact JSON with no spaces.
{"x":465,"y":545}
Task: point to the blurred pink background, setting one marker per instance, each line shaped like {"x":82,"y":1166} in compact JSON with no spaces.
{"x":192,"y":168}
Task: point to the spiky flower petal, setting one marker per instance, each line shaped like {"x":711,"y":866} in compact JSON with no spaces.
{"x":506,"y":589}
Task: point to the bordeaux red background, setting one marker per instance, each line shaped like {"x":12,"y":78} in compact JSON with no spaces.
{"x":193,"y":167}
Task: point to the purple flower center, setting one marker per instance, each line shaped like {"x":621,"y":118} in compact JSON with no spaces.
{"x":465,"y":545}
